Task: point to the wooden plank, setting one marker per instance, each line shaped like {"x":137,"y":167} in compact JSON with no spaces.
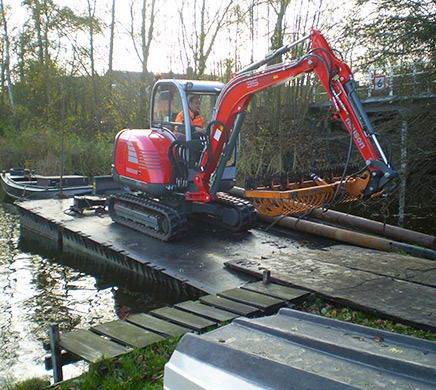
{"x":183,"y":318}
{"x":400,"y":300}
{"x":398,"y":266}
{"x":127,"y":333}
{"x":260,"y":301}
{"x":276,"y":291}
{"x":227,"y":304}
{"x":89,"y":346}
{"x":207,"y":311}
{"x":157,"y":325}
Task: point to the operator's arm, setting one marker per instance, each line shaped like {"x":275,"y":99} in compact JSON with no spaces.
{"x":179,"y":117}
{"x":197,"y":124}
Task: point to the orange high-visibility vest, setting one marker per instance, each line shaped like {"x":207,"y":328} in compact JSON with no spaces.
{"x":196,"y":120}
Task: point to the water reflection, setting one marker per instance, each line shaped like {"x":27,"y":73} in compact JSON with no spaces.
{"x":38,"y":287}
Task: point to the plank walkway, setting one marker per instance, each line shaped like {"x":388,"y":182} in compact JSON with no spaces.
{"x":115,"y":338}
{"x":395,"y":286}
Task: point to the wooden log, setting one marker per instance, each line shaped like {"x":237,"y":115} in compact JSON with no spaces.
{"x":350,"y":237}
{"x":355,"y":238}
{"x":390,"y":231}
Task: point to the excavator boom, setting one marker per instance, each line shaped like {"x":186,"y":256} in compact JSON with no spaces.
{"x":337,"y":79}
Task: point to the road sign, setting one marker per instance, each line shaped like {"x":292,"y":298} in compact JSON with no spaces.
{"x":379,"y":83}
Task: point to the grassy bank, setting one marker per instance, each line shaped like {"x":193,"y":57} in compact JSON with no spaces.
{"x":342,"y":313}
{"x":140,"y":369}
{"x":40,"y":149}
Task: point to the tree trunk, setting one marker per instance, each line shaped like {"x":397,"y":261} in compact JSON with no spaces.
{"x":111,"y":46}
{"x":146,"y":38}
{"x":91,"y":16}
{"x":7,"y":59}
{"x":277,"y":42}
{"x":201,"y":40}
{"x":36,"y":11}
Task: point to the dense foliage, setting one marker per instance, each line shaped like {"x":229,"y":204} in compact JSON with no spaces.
{"x":394,"y":31}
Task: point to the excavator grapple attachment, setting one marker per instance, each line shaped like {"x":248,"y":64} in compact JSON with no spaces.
{"x":300,"y":198}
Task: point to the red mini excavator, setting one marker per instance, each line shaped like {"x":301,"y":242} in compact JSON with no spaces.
{"x":174,"y":171}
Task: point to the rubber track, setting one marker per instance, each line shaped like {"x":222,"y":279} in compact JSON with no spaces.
{"x":177,"y":221}
{"x":247,"y":212}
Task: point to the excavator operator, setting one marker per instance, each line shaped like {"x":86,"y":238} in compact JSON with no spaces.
{"x":197,"y":121}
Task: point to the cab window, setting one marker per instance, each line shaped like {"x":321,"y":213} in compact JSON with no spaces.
{"x":167,"y":104}
{"x":206,"y":108}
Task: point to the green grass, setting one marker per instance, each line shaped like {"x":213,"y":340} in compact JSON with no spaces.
{"x":140,"y":369}
{"x":338,"y":312}
{"x":28,"y":384}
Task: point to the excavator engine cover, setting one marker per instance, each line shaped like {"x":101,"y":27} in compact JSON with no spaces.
{"x":142,"y":162}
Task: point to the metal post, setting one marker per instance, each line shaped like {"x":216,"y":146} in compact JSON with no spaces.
{"x":414,"y":79}
{"x":55,"y":353}
{"x":391,"y":81}
{"x":63,"y":113}
{"x":370,"y":83}
{"x":403,"y":165}
{"x":266,"y":276}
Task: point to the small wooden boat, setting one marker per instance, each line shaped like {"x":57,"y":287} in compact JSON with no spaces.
{"x":21,"y":184}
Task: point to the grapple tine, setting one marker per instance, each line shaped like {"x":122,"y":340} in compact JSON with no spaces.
{"x":300,"y":198}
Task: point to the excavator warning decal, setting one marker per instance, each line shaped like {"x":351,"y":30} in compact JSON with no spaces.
{"x":217,"y":135}
{"x":358,"y":139}
{"x":252,"y":83}
{"x":132,"y":155}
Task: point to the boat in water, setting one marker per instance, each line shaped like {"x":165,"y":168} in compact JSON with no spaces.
{"x":22,"y":184}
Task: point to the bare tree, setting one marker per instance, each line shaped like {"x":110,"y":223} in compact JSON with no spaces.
{"x":93,"y":28}
{"x":35,"y":7}
{"x":111,"y":44}
{"x":198,"y":44}
{"x":6,"y":64}
{"x":148,"y":13}
{"x":91,"y":17}
{"x":279,"y":7}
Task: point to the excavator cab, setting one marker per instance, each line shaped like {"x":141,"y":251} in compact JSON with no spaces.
{"x":171,"y":97}
{"x":164,"y":159}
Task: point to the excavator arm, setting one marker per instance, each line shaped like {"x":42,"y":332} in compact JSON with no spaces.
{"x":337,"y":79}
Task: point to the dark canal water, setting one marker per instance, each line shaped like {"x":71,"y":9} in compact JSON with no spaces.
{"x":39,"y":287}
